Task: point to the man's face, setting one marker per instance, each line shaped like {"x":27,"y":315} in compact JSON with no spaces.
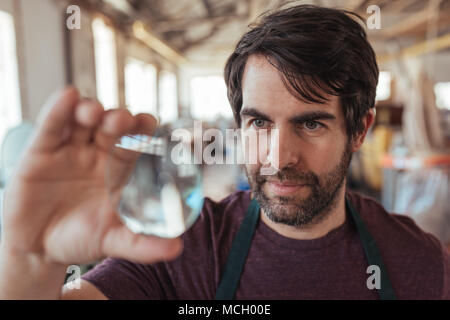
{"x":313,"y":148}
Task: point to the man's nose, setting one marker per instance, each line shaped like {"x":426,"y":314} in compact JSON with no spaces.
{"x":285,"y":149}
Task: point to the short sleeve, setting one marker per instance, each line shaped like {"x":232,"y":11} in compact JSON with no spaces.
{"x":120,"y":279}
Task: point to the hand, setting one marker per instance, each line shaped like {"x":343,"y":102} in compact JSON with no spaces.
{"x":57,"y":205}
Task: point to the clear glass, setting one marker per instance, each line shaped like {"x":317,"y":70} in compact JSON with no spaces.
{"x":156,"y":189}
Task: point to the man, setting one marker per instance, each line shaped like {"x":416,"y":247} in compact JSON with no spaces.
{"x":307,"y":72}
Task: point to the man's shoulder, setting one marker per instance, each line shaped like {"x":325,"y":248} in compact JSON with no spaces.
{"x":400,"y":227}
{"x":413,"y":256}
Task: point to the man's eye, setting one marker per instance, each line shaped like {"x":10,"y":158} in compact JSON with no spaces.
{"x":258,"y":123}
{"x":311,"y":125}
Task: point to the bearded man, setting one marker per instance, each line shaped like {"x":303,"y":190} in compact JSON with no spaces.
{"x":307,"y":73}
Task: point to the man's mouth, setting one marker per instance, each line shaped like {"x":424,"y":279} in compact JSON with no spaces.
{"x":284,"y":188}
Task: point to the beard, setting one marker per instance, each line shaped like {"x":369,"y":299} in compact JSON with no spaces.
{"x":295,"y":210}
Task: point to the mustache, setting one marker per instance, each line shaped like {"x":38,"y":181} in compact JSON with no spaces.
{"x":291,"y":175}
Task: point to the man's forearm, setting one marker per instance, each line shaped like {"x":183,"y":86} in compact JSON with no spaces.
{"x":28,"y":276}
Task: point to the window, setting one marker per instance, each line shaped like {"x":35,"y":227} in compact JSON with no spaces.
{"x":168,"y":111}
{"x":10,"y":108}
{"x":442,"y":92}
{"x":140,"y":86}
{"x":105,"y":64}
{"x":209,"y":98}
{"x":384,"y":86}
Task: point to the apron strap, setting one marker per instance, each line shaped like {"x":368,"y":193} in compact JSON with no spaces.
{"x":242,"y":242}
{"x":373,"y":255}
{"x":238,"y":254}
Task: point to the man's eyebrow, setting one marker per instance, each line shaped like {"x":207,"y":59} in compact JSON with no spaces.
{"x":301,"y":118}
{"x":312,"y":116}
{"x":252,"y":112}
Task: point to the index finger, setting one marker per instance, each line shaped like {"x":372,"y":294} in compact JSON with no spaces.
{"x":56,"y":116}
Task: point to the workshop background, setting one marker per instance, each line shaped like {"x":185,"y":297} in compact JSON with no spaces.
{"x":166,"y":57}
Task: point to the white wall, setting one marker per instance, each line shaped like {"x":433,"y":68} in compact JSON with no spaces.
{"x":82,"y":58}
{"x":189,"y":71}
{"x":40,"y":38}
{"x":7,"y":5}
{"x":42,"y":60}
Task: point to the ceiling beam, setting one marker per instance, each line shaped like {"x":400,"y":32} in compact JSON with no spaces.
{"x":214,"y":29}
{"x":353,"y":5}
{"x":412,"y":20}
{"x":180,"y":24}
{"x":208,"y":7}
{"x":255,"y":8}
{"x":398,"y":5}
{"x":420,"y":31}
{"x":156,"y":44}
{"x":424,"y":47}
{"x":121,"y":5}
{"x":143,"y":11}
{"x":196,"y":42}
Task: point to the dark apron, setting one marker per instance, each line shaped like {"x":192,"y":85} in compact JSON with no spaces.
{"x":241,"y":246}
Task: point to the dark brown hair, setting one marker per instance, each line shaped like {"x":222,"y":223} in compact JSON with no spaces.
{"x":317,"y":50}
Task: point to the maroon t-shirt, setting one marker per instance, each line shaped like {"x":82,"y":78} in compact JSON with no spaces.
{"x":331,"y":267}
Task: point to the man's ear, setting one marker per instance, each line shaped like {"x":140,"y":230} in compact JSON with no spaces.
{"x":368,"y":121}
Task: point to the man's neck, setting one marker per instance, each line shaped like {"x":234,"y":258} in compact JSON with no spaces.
{"x":334,"y":219}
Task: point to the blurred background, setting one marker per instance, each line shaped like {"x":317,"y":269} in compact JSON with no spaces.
{"x":166,"y":57}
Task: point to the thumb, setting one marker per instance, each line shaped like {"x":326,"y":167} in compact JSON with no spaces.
{"x":121,"y":242}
